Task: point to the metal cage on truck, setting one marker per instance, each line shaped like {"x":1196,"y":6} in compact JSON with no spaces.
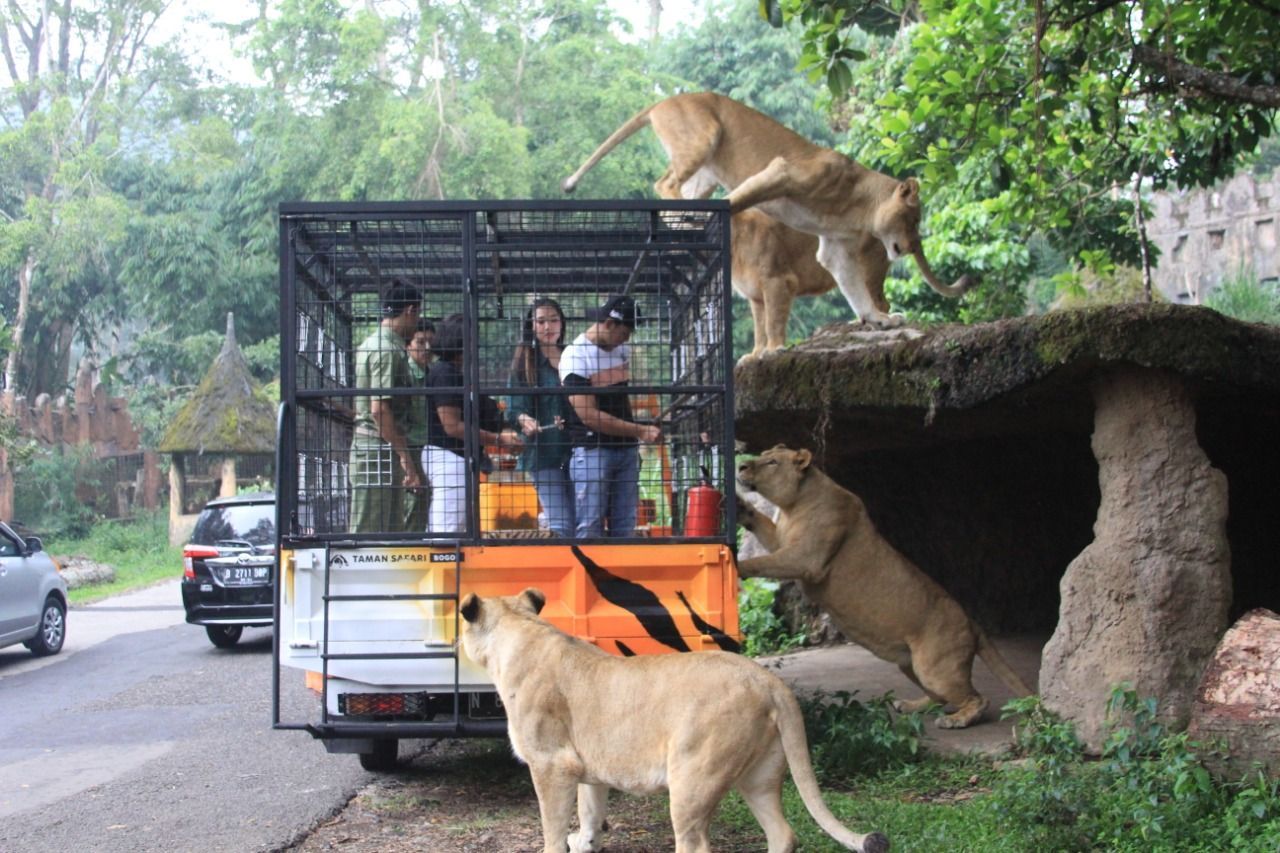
{"x":371,"y":614}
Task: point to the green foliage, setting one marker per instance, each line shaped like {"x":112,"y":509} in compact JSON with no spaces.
{"x":1028,"y":124}
{"x":763,"y":631}
{"x":1242,"y":296}
{"x":735,"y":53}
{"x":1149,"y":791}
{"x":1105,"y":284}
{"x":20,"y":448}
{"x":54,"y":491}
{"x":138,"y":549}
{"x":849,"y":739}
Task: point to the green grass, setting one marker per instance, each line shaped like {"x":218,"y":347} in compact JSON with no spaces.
{"x":138,"y":550}
{"x":1146,"y":792}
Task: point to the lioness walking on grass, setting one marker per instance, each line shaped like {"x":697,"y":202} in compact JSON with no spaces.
{"x":698,"y":724}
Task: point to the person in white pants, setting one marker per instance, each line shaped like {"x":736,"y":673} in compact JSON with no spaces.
{"x":444,"y":458}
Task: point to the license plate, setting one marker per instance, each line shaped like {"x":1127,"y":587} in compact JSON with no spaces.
{"x":244,"y":575}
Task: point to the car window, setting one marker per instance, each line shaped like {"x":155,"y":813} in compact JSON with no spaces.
{"x":252,"y":523}
{"x":8,"y":548}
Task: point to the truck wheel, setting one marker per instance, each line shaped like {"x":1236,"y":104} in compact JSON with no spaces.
{"x":224,"y":636}
{"x":383,"y":758}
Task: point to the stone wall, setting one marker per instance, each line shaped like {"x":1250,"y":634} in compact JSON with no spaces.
{"x":1207,"y":235}
{"x":90,"y":417}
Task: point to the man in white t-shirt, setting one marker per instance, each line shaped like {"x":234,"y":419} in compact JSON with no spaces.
{"x":605,"y":465}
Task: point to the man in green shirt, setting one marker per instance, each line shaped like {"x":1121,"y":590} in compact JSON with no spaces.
{"x":381,"y":466}
{"x":417,"y":503}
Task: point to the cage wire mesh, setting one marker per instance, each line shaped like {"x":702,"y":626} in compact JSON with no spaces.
{"x":533,"y":413}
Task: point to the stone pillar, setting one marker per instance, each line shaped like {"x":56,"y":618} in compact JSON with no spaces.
{"x":228,"y":487}
{"x":177,"y":489}
{"x":150,"y":479}
{"x":1146,"y":602}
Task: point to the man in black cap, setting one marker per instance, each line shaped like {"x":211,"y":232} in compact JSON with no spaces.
{"x":605,"y":465}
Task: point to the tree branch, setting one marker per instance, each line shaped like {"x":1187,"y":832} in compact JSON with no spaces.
{"x":1201,"y":82}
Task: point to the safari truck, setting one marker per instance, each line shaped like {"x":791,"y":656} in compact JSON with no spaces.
{"x":368,"y":618}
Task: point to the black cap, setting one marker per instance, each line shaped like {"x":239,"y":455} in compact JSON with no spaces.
{"x":621,"y":308}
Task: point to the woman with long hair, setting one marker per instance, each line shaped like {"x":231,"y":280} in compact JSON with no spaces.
{"x":444,"y":457}
{"x":541,"y":417}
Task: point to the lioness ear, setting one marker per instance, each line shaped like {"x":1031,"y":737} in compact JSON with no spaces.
{"x":534,"y":599}
{"x":803,"y":458}
{"x":909,"y":190}
{"x":470,"y":607}
{"x":779,"y":447}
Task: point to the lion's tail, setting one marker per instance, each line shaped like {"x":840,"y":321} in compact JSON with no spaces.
{"x":962,"y":285}
{"x":796,"y":747}
{"x":633,"y":124}
{"x":996,"y":663}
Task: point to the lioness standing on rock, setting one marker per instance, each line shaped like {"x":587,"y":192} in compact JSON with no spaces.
{"x":825,"y":540}
{"x":712,"y":140}
{"x":697,"y":724}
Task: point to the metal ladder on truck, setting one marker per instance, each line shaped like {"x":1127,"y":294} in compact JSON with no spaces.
{"x":376,"y":741}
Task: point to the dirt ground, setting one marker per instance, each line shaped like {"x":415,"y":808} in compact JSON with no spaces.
{"x":474,"y":797}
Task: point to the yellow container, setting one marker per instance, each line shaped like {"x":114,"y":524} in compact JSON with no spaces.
{"x":508,"y":506}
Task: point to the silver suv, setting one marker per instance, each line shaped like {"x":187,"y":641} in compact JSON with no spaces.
{"x":33,"y":595}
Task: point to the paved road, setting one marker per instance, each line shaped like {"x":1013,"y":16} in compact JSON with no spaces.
{"x":142,"y":736}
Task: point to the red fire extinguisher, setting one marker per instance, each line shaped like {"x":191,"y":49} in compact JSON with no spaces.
{"x":702,"y":511}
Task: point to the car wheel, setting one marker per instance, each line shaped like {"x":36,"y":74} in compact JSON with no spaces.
{"x":384,"y":756}
{"x":53,"y":629}
{"x":224,"y":636}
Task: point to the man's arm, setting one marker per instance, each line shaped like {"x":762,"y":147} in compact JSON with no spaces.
{"x":584,"y":405}
{"x":389,"y":431}
{"x":451,"y":420}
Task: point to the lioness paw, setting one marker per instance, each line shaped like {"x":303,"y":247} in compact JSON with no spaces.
{"x":878,"y":320}
{"x":579,"y":844}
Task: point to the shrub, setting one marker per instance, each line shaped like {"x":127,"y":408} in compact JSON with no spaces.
{"x":763,"y":630}
{"x":54,"y":490}
{"x":1148,"y":791}
{"x":848,"y":738}
{"x":1243,"y":297}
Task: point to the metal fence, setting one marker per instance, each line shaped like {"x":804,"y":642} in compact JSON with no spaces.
{"x":481,"y":268}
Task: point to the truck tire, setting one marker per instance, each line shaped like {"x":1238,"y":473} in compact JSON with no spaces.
{"x":386,"y":752}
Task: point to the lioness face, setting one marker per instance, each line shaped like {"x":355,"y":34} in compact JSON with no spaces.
{"x":483,"y":617}
{"x":897,"y":220}
{"x":776,"y":473}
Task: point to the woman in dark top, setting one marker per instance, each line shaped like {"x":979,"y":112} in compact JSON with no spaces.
{"x":541,"y":417}
{"x":443,"y":459}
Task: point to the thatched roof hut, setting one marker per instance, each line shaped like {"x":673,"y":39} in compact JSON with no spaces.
{"x":226,"y":418}
{"x":225,"y":415}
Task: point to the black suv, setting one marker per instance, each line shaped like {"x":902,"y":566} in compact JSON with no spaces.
{"x":229,"y":566}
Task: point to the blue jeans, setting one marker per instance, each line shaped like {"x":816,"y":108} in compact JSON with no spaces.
{"x":555,"y":493}
{"x":606,"y":485}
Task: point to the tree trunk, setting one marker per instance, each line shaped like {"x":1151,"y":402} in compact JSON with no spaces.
{"x":655,"y":19}
{"x":20,"y":323}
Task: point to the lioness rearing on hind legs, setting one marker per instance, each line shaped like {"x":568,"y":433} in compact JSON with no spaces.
{"x":697,"y":723}
{"x":825,"y":540}
{"x":713,"y":140}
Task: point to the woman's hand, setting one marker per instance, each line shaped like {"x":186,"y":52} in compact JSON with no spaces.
{"x":511,"y":439}
{"x":528,"y":425}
